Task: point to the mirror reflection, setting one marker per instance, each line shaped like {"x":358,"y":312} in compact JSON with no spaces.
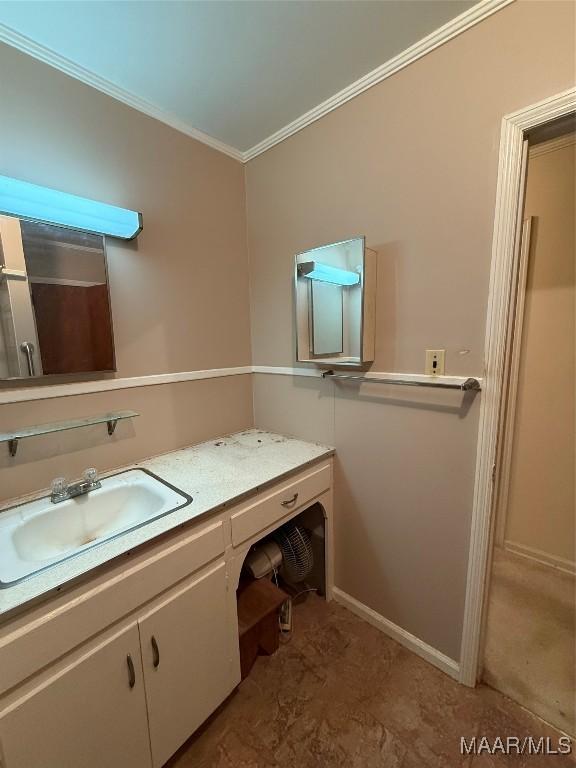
{"x":335,"y":290}
{"x":54,"y":301}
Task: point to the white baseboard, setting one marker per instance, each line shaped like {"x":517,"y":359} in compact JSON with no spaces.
{"x":560,"y":563}
{"x":413,"y":643}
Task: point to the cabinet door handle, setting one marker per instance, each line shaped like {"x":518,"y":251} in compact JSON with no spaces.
{"x":155,"y":652}
{"x":289,"y":502}
{"x":131,"y":672}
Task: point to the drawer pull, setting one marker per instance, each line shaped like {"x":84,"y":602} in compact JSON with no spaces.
{"x":155,"y":652}
{"x":131,"y":672}
{"x":289,"y":502}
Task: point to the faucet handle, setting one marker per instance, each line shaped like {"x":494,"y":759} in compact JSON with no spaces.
{"x":59,"y":486}
{"x":91,"y":475}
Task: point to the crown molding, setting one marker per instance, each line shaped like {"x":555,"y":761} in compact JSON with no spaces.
{"x":53,"y":59}
{"x":452,"y":28}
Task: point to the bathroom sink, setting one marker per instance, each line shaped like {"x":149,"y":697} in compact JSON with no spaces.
{"x":40,"y":534}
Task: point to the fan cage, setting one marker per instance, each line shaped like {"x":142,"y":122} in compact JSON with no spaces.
{"x":296,"y":546}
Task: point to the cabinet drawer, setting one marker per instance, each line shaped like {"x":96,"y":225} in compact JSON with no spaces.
{"x":268,"y":509}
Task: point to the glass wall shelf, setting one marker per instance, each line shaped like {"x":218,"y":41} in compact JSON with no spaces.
{"x":111,"y":419}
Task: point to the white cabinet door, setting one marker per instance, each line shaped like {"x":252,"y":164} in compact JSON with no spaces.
{"x":188,"y":671}
{"x":89,"y":714}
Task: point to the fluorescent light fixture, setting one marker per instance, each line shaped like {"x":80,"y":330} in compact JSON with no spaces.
{"x":316,"y":271}
{"x":29,"y":201}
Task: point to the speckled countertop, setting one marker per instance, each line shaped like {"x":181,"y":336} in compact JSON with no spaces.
{"x":216,"y":474}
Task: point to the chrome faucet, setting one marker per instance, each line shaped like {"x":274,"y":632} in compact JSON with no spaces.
{"x":61,"y":490}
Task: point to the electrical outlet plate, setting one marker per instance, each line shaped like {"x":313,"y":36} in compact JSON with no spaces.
{"x":435,"y":362}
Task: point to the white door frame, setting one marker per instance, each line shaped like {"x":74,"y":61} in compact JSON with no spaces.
{"x":510,"y":178}
{"x":501,"y":489}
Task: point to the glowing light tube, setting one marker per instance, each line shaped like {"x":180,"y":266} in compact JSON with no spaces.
{"x":29,"y":201}
{"x":316,"y":271}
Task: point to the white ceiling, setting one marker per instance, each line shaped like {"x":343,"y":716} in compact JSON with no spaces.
{"x":237,"y":71}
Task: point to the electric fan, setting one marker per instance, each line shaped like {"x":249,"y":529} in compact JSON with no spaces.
{"x":289,"y":552}
{"x":296,"y":547}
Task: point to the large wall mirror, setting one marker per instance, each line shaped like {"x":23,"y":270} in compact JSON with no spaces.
{"x":335,"y":303}
{"x":54,"y":301}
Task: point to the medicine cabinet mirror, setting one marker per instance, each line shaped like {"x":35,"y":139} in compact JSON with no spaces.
{"x":335,"y":303}
{"x":54,"y":301}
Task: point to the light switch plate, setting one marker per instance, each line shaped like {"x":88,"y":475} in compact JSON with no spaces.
{"x":435,"y":362}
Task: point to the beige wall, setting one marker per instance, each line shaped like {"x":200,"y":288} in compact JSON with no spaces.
{"x":541,"y":514}
{"x":179,"y":292}
{"x":412,"y":164}
{"x":172,"y":415}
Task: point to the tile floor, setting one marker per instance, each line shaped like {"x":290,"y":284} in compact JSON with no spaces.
{"x":340,"y":694}
{"x":530,"y":652}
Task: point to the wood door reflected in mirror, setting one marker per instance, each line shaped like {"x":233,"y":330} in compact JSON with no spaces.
{"x":54,"y":301}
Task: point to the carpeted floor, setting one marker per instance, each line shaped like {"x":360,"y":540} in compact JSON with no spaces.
{"x":530,"y":639}
{"x":340,"y":694}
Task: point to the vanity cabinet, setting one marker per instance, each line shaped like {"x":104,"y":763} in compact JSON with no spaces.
{"x":186,"y":660}
{"x":121,"y":668}
{"x":87,"y":712}
{"x":145,"y":688}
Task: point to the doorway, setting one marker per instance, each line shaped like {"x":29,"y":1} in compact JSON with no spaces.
{"x":529,"y":642}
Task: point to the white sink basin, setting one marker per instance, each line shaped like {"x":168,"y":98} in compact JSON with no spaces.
{"x":39,"y":534}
